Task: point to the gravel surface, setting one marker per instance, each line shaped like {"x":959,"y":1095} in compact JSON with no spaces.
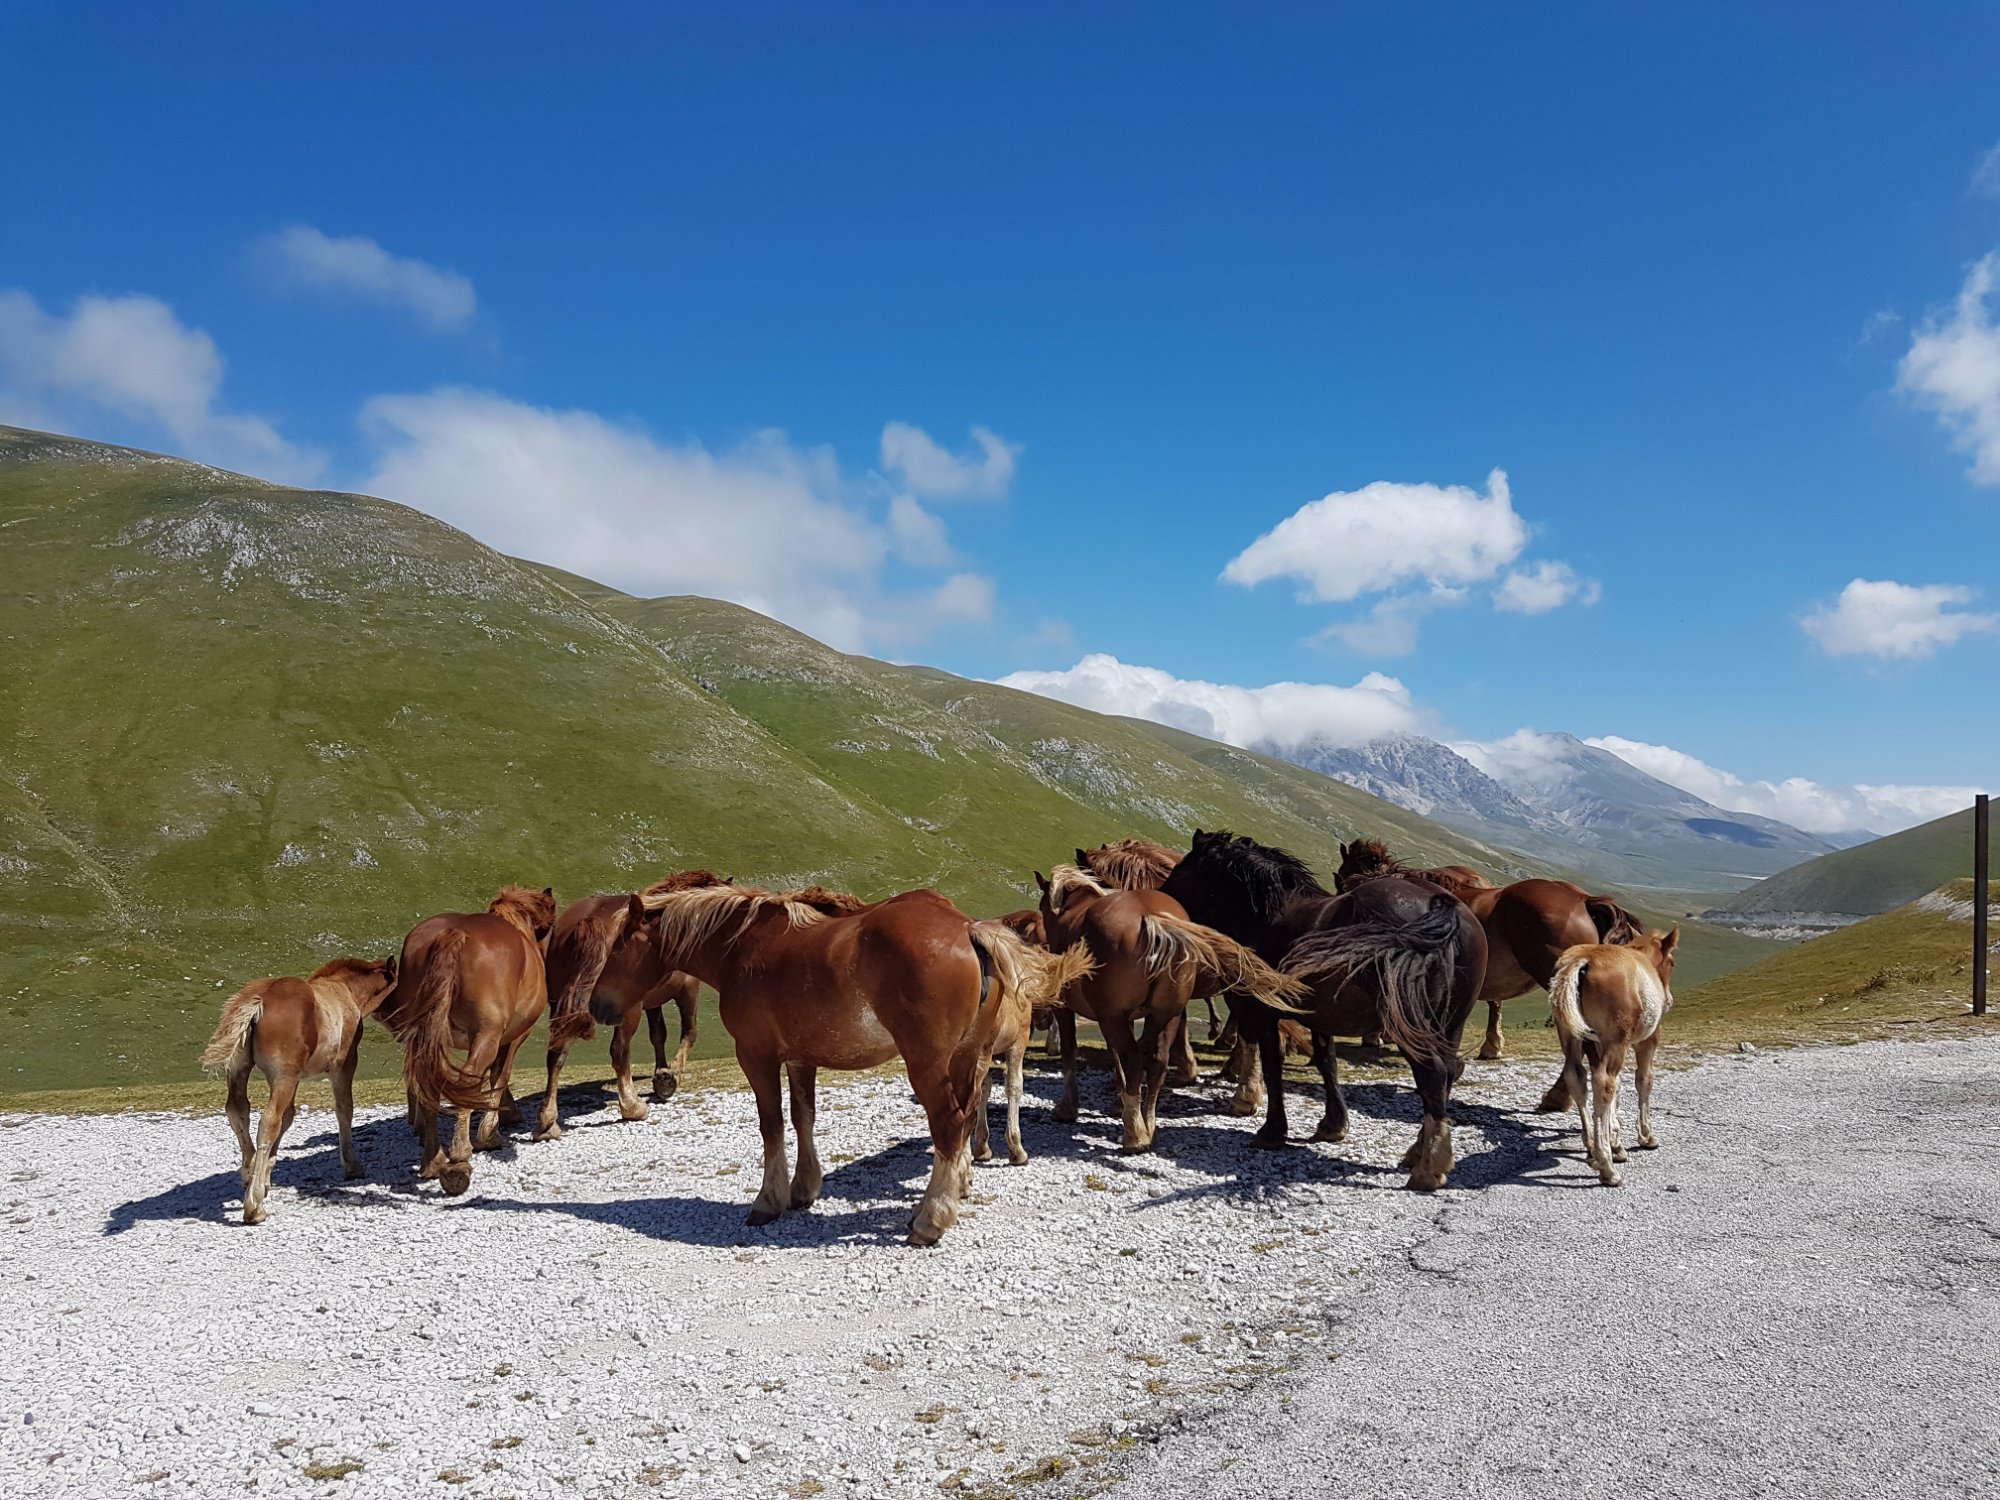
{"x":1796,"y":1296}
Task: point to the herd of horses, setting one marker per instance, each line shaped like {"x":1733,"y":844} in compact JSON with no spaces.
{"x":1127,"y":938}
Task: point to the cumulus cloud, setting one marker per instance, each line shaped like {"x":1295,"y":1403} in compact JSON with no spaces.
{"x":919,"y":535}
{"x":1284,"y":714}
{"x":131,"y":357}
{"x":1811,"y":805}
{"x":1953,"y":368}
{"x":1902,"y":621}
{"x":355,"y":266}
{"x":1390,"y":627}
{"x":765,"y":524}
{"x":1376,"y":538}
{"x":927,"y":469}
{"x":1543,"y":587}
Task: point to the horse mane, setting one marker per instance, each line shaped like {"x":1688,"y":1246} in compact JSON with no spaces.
{"x":351,"y":968}
{"x":1380,"y":860}
{"x":531,"y":910}
{"x":827,"y":903}
{"x":1066,"y":879}
{"x":695,"y":906}
{"x":1131,"y":864}
{"x":1267,"y":877}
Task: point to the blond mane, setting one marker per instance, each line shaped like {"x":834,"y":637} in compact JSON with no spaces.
{"x":533,"y":911}
{"x":1067,"y":880}
{"x":1131,"y":864}
{"x":694,"y":908}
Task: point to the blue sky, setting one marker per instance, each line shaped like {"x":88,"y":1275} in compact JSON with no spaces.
{"x":642,"y":294}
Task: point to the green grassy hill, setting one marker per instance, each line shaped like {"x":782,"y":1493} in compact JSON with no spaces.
{"x":1907,"y":966}
{"x":246,"y":728}
{"x":1868,"y":878}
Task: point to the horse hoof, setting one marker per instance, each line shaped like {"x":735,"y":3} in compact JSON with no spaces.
{"x":759,"y":1217}
{"x":924,"y":1236}
{"x":455,"y":1178}
{"x":1610,"y":1179}
{"x":1554,"y":1102}
{"x":665,"y":1086}
{"x":803,"y":1201}
{"x":1063,"y":1114}
{"x":1017,"y":1155}
{"x":1649,"y":1143}
{"x":1491,"y":1053}
{"x":634,"y":1114}
{"x":510,"y":1118}
{"x":1425,"y":1182}
{"x":254,"y":1215}
{"x":549,"y":1133}
{"x":984,"y":1153}
{"x":1265,"y":1142}
{"x":1332,"y":1134}
{"x":1243,"y":1108}
{"x":429,"y":1170}
{"x":354,"y":1173}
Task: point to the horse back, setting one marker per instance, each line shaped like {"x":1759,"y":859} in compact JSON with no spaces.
{"x":497,"y":963}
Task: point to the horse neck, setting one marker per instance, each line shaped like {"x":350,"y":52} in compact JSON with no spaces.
{"x":718,"y":953}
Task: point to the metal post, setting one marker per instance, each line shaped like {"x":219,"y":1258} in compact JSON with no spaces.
{"x":1979,"y":856}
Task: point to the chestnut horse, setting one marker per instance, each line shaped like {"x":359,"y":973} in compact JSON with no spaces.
{"x":288,"y":1029}
{"x":608,"y":945}
{"x":1141,"y":865}
{"x":474,"y":981}
{"x":1398,"y":956}
{"x":1607,"y":1000}
{"x":1529,"y":925}
{"x":801,"y":990}
{"x":1151,"y":962}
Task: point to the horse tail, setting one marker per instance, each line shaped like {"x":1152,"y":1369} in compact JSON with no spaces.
{"x":228,"y":1051}
{"x":1565,"y":999}
{"x":424,"y":1028}
{"x":1019,"y":970}
{"x":1413,"y":962}
{"x":1614,"y":924}
{"x":584,"y":951}
{"x":1219,"y":962}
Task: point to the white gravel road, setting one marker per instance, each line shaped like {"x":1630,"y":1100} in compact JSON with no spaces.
{"x":595,"y":1318}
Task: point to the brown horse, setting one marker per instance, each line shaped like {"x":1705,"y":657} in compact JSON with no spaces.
{"x":289,"y":1029}
{"x":1142,"y":865}
{"x":1394,"y":955}
{"x":1529,"y":924}
{"x":911,"y":976}
{"x":609,"y":945}
{"x":1607,"y":1000}
{"x":474,"y":981}
{"x":1151,"y":962}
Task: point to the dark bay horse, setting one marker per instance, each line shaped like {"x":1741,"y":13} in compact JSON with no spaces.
{"x":289,"y":1029}
{"x":1151,"y":961}
{"x":472,"y":981}
{"x":911,"y":976}
{"x":608,"y":945}
{"x":1529,"y":924}
{"x":1399,"y":956}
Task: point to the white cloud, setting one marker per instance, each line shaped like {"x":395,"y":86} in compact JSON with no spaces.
{"x":1986,"y":175}
{"x":1390,"y":628}
{"x":765,"y":524}
{"x":1369,"y":540}
{"x":1953,"y":367}
{"x":1811,"y":805}
{"x":930,"y":470}
{"x":1284,"y":714}
{"x":1543,"y":587}
{"x":1896,"y":620}
{"x":919,"y":536}
{"x":1525,"y":756}
{"x":132,"y":357}
{"x":354,"y":265}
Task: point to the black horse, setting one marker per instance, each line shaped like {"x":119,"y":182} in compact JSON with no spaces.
{"x":1395,"y":956}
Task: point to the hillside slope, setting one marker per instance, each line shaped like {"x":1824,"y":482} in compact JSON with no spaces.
{"x":247,"y":728}
{"x":1869,"y":878}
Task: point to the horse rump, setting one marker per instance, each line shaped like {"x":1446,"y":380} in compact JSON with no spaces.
{"x":228,"y":1051}
{"x":423,"y":1026}
{"x":1413,"y":964}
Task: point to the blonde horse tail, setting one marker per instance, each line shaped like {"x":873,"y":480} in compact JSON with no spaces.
{"x":228,"y":1051}
{"x":1025,"y":973}
{"x":425,"y":1031}
{"x":1220,"y":962}
{"x":1565,"y":999}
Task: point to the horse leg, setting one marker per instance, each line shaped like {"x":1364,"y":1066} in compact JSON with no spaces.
{"x":430,"y":1156}
{"x":1129,"y":1072}
{"x":1333,"y":1124}
{"x":1065,"y":1111}
{"x":1016,"y":1152}
{"x":1246,"y":1060}
{"x":951,"y":1165}
{"x":1261,"y":1025}
{"x":1214,"y":1018}
{"x":806,"y":1181}
{"x":1160,"y":1043}
{"x":499,"y":1100}
{"x":343,"y":1109}
{"x":455,"y":1176}
{"x":239,"y":1119}
{"x":1560,"y":1096}
{"x":1604,"y":1147}
{"x":278,"y":1112}
{"x":1187,"y":1069}
{"x":982,"y":1128}
{"x":1642,"y":1083}
{"x":1575,"y":1085}
{"x":667,"y":1075}
{"x":548,"y":1127}
{"x":762,"y":1075}
{"x":629,"y":1105}
{"x":1430,"y":1159}
{"x":1614,"y":1065}
{"x":1495,"y":1044}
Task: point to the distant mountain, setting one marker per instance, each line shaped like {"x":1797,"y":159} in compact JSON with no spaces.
{"x":1876,"y":877}
{"x":1556,"y":799}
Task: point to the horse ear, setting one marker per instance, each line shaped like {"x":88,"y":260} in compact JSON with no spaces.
{"x":389,"y":968}
{"x":1667,"y":942}
{"x":1343,"y":851}
{"x":1041,"y":880}
{"x":635,"y":909}
{"x":549,"y":891}
{"x":1082,"y":858}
